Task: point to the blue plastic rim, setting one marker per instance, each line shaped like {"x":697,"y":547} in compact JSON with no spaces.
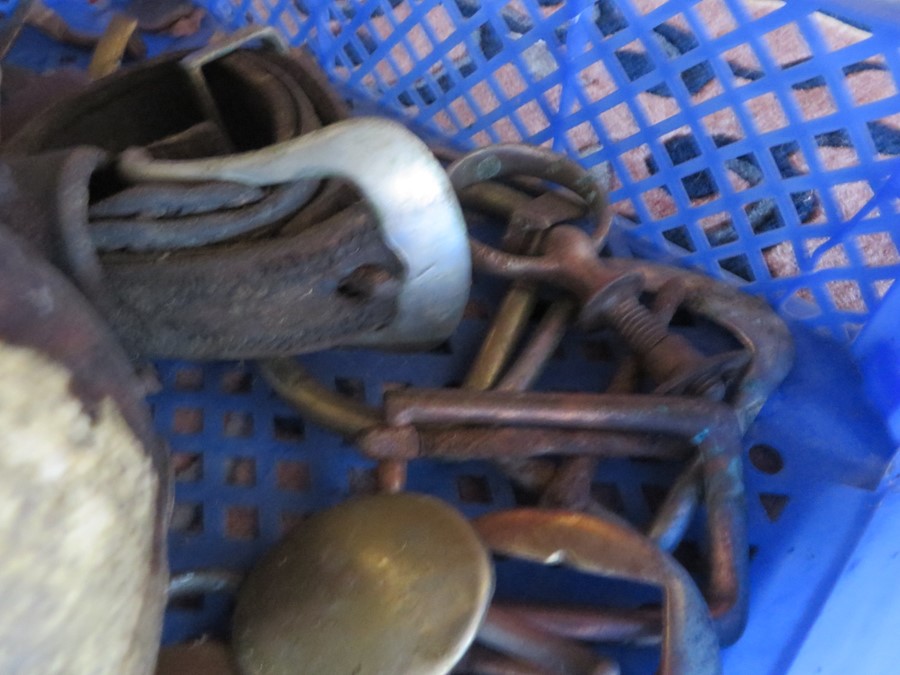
{"x":663,"y":101}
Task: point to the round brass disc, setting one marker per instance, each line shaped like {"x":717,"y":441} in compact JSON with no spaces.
{"x":384,"y":584}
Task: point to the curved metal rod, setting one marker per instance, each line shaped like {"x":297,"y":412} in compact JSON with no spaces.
{"x":597,"y":546}
{"x":321,"y":405}
{"x":674,"y":516}
{"x":411,"y":196}
{"x":642,"y":626}
{"x":505,"y":160}
{"x":505,"y":631}
{"x":480,"y":660}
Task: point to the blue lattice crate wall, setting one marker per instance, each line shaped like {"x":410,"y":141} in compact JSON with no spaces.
{"x":751,"y":139}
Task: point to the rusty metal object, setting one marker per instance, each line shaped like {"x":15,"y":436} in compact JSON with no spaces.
{"x":749,"y":319}
{"x":461,"y":443}
{"x":483,"y":661}
{"x":465,"y":425}
{"x":570,"y":261}
{"x":205,"y":657}
{"x":613,"y":297}
{"x":712,"y":427}
{"x":503,"y":334}
{"x":382,"y":584}
{"x":528,"y":220}
{"x":390,"y":476}
{"x":594,"y":624}
{"x":761,"y":332}
{"x":569,"y":257}
{"x":595,"y":546}
{"x":530,"y":363}
{"x":570,"y":487}
{"x":507,"y":632}
{"x":80,"y":462}
{"x":500,"y":161}
{"x":333,"y":411}
{"x":675,"y":514}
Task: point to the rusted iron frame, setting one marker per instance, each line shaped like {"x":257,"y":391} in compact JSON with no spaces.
{"x":712,"y":427}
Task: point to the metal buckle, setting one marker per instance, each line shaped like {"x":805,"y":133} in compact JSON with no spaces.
{"x":193,"y":63}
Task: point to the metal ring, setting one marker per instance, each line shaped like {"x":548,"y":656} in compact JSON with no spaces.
{"x":506,"y":160}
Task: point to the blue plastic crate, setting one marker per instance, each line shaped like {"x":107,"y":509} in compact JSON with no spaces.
{"x":638,"y":89}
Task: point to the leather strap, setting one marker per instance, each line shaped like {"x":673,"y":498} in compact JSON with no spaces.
{"x":206,"y":270}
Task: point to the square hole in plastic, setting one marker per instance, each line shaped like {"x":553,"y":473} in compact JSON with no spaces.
{"x":189,"y":378}
{"x":292,"y":476}
{"x":240,"y":471}
{"x":619,"y":122}
{"x":237,"y":424}
{"x":187,"y":518}
{"x":767,"y":112}
{"x":716,"y":17}
{"x":187,"y":467}
{"x":236,"y":382}
{"x":738,"y":265}
{"x":242,"y":523}
{"x":885,"y":135}
{"x":187,"y":421}
{"x":680,"y":237}
{"x":787,"y":45}
{"x":814,"y":99}
{"x":484,"y":97}
{"x":744,"y":64}
{"x":289,"y":428}
{"x":869,"y":80}
{"x":510,"y":80}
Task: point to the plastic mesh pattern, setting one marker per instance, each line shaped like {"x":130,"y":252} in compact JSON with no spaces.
{"x":751,"y":139}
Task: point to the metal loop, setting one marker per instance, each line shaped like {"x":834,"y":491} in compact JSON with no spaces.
{"x":508,"y":160}
{"x":193,"y":63}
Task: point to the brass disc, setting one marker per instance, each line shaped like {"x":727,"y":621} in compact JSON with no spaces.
{"x":382,"y":584}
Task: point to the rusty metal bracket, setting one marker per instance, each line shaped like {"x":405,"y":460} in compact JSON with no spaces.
{"x":600,"y":547}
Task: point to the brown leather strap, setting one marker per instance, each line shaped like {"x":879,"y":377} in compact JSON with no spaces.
{"x":211,"y":270}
